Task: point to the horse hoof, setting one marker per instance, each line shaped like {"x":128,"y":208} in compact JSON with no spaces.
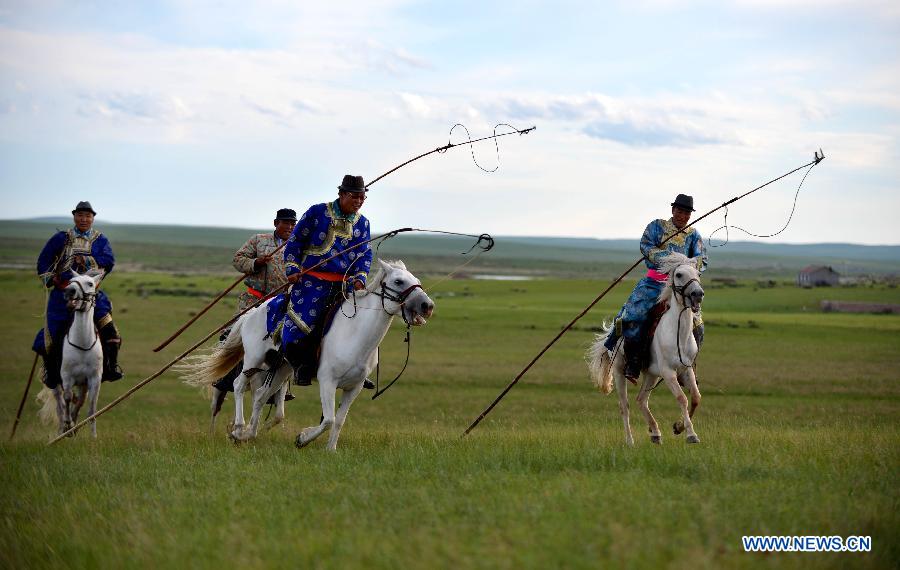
{"x":300,"y":442}
{"x":678,"y":428}
{"x":693,"y":439}
{"x":657,"y":439}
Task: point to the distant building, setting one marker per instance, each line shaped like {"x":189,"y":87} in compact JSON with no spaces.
{"x":817,"y":276}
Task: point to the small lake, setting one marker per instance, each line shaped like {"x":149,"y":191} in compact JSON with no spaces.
{"x":488,"y":277}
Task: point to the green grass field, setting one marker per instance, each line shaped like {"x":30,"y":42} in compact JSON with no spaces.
{"x":798,"y":426}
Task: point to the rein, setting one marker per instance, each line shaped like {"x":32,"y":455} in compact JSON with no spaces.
{"x":408,"y":341}
{"x":680,"y":291}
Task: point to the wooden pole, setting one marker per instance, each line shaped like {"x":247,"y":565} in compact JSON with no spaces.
{"x":24,"y":397}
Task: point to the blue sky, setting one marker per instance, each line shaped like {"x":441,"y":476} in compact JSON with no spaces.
{"x":219,"y":113}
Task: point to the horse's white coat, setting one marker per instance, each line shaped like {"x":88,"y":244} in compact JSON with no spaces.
{"x":667,"y":361}
{"x":347,"y":357}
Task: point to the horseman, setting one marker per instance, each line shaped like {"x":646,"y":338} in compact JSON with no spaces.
{"x":80,"y":249}
{"x":632,"y":319}
{"x":324,"y":231}
{"x":264,"y":270}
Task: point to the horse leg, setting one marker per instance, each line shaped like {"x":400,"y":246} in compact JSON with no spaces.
{"x":67,"y":396}
{"x":261,"y":395}
{"x":347,"y":397}
{"x":685,"y":423}
{"x":79,"y":396}
{"x":326,"y":394}
{"x":643,"y":400}
{"x":622,"y":392}
{"x":215,"y":406}
{"x":60,"y":409}
{"x":279,"y":406}
{"x":92,"y":396}
{"x":237,"y":428}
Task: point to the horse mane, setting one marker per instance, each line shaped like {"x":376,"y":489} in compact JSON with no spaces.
{"x":667,"y":266}
{"x":373,"y":281}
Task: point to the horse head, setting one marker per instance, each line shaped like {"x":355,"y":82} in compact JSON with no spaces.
{"x":81,"y":291}
{"x":402,"y":293}
{"x":684,"y":278}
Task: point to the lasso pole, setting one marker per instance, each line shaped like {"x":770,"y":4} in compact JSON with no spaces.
{"x":24,"y":398}
{"x":819,"y":156}
{"x":209,"y":306}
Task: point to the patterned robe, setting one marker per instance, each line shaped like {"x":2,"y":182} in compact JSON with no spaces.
{"x":630,"y":320}
{"x":322,"y":232}
{"x":269,"y":277}
{"x":54,"y":266}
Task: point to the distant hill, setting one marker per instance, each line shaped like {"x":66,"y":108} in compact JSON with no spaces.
{"x":205,"y":249}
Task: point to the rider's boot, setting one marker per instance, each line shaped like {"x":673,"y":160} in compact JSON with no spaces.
{"x":632,"y":359}
{"x":303,"y":374}
{"x":52,"y":364}
{"x":111,"y":342}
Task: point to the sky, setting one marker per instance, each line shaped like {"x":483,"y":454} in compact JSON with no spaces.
{"x":218,"y":113}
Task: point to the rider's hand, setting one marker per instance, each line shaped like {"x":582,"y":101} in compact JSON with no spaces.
{"x":260,"y":261}
{"x":293,"y":278}
{"x":358,"y":285}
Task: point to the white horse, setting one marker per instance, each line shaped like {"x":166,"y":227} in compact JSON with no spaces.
{"x":348,"y":353}
{"x":672,"y":352}
{"x":82,"y":358}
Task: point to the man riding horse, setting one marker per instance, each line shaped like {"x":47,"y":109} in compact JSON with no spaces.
{"x":631,"y":322}
{"x":324,"y":231}
{"x":80,"y":248}
{"x":264,"y":270}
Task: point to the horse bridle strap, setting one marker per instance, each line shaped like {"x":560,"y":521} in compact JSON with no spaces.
{"x":679,"y":290}
{"x":397,"y":296}
{"x":87,"y":299}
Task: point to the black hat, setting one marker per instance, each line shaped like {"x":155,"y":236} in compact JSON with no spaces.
{"x":352,"y":183}
{"x":84,"y":206}
{"x":684,"y":201}
{"x":286,"y":214}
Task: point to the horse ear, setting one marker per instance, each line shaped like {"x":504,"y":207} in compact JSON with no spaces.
{"x":384,"y":266}
{"x":96,"y":274}
{"x":401,"y":265}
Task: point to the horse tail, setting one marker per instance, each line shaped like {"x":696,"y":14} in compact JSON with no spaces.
{"x":205,"y":369}
{"x":47,"y":400}
{"x":600,"y":362}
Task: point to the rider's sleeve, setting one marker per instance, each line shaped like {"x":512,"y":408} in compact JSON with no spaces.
{"x":698,"y":252}
{"x":102,"y":255}
{"x":47,"y":259}
{"x":650,"y":241}
{"x":244,"y":257}
{"x":293,"y":251}
{"x":364,"y":259}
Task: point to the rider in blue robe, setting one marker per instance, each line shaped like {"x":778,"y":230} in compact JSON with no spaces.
{"x":324,"y":231}
{"x":81,"y":249}
{"x":631,"y":320}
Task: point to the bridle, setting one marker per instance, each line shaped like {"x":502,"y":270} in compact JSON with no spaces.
{"x":680,"y":290}
{"x":86,"y":301}
{"x":397,"y":296}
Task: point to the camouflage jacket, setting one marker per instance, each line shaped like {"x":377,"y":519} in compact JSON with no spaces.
{"x":269,"y":277}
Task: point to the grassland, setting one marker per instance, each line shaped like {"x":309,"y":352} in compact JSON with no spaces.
{"x":798,"y":425}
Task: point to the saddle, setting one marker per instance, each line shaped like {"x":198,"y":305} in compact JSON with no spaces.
{"x":311,"y":346}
